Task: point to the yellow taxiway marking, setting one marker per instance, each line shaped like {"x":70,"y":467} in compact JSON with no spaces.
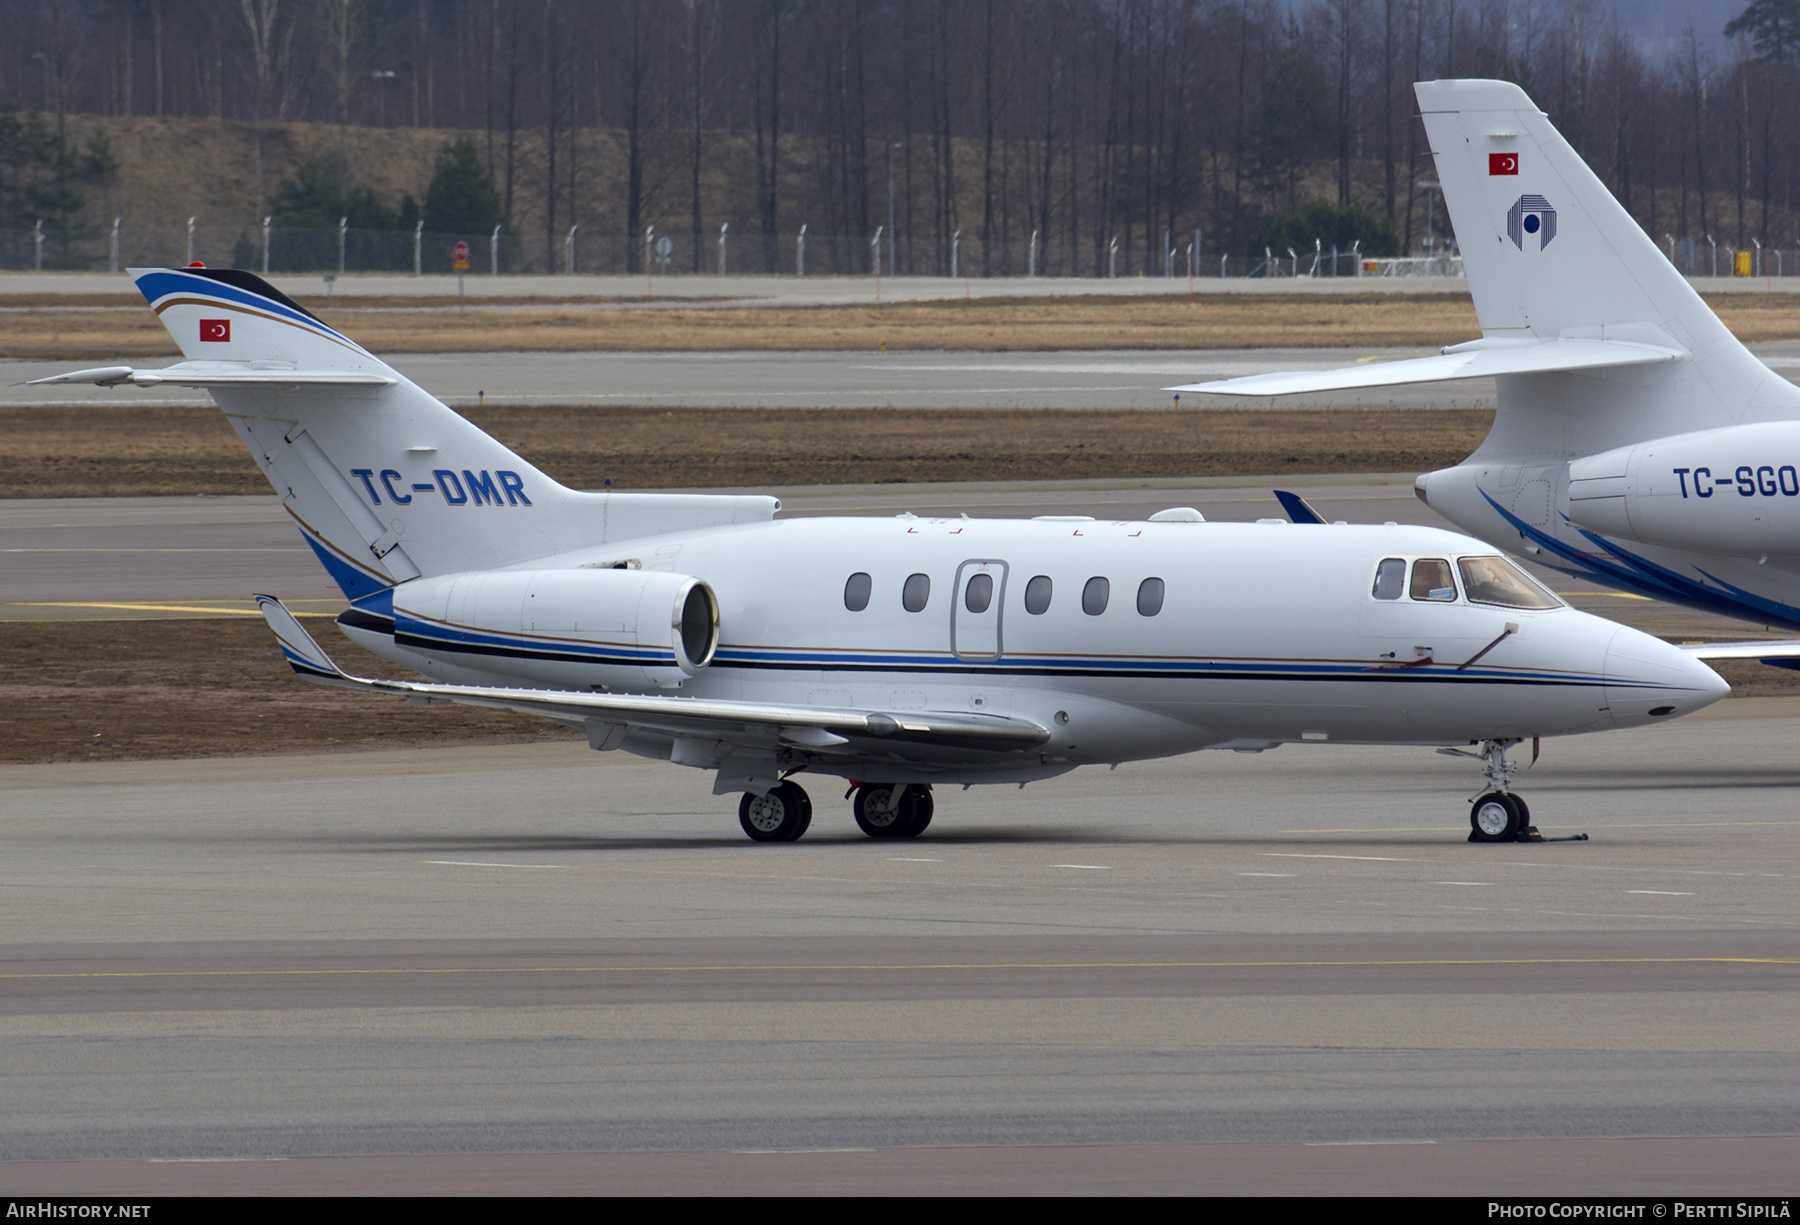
{"x":194,"y":608}
{"x":913,"y":966}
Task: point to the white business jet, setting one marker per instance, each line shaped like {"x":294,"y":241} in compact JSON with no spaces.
{"x":895,"y":653}
{"x":1636,"y":442}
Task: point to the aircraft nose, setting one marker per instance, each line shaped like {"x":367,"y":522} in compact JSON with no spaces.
{"x":1648,"y":681}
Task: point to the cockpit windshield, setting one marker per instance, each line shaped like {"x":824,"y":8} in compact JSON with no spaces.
{"x":1494,"y":580}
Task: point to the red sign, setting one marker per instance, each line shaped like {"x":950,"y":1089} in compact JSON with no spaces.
{"x":215,"y":329}
{"x":1503,"y":163}
{"x":462,"y":252}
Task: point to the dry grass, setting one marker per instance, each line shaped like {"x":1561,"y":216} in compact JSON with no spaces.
{"x":113,"y":690}
{"x":1218,"y":321}
{"x":138,"y":450}
{"x":1224,"y":321}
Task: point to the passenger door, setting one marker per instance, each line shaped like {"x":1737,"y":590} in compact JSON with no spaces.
{"x":975,"y":614}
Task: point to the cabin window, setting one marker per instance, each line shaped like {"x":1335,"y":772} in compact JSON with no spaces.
{"x":1494,"y":580}
{"x":856,"y":591}
{"x":916,"y":592}
{"x":979,"y":593}
{"x":1095,"y":595}
{"x":1037,"y":595}
{"x":1150,"y":597}
{"x":1390,"y":579}
{"x":1431,"y":580}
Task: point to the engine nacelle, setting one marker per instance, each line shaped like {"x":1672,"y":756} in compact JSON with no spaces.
{"x":1733,"y":491}
{"x":630,"y":627}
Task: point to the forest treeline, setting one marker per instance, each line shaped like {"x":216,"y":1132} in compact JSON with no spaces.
{"x":1105,"y":127}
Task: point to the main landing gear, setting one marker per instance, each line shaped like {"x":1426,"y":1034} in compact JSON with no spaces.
{"x":882,"y":811}
{"x":780,"y":816}
{"x":893,"y":811}
{"x":1498,"y":814}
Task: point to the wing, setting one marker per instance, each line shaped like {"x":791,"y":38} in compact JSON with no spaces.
{"x":1476,"y":359}
{"x":1779,"y":653}
{"x":923,"y":736}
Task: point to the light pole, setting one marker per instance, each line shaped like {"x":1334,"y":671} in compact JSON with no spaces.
{"x":800,"y":253}
{"x":266,"y":221}
{"x":723,"y":227}
{"x":494,"y":252}
{"x":890,"y":225}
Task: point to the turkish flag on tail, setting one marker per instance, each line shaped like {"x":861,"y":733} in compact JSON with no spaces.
{"x":215,"y":329}
{"x":1503,"y":163}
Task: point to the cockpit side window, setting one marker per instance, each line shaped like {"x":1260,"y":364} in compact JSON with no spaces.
{"x":1494,"y":580}
{"x":1431,"y":580}
{"x":1390,"y":579}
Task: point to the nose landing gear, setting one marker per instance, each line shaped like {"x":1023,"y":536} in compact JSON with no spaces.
{"x":1498,"y":814}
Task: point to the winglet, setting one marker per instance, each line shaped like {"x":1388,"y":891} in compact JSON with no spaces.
{"x":307,"y":656}
{"x":1296,"y":507}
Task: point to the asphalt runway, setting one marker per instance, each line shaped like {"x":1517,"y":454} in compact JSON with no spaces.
{"x":1086,"y":380}
{"x":1119,"y":379}
{"x":1212,"y":974}
{"x":538,"y":968}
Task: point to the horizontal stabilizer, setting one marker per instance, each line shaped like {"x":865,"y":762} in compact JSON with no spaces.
{"x":1476,"y":359}
{"x":219,"y":374}
{"x":754,"y":724}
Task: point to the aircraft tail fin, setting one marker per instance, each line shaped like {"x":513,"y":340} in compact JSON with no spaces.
{"x":1546,"y":248}
{"x":1551,"y":256}
{"x":227,"y":315}
{"x":385,"y":481}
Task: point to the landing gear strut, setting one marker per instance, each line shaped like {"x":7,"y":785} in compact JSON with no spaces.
{"x":1498,"y":815}
{"x":780,"y":816}
{"x":896,"y":811}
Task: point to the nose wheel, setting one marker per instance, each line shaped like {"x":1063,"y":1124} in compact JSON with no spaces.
{"x":1499,"y":816}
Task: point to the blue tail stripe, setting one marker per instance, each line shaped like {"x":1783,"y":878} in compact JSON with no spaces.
{"x":158,"y":285}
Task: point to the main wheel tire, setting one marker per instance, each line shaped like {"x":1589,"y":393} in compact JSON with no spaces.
{"x":780,"y":816}
{"x":922,"y":810}
{"x":1525,"y":825}
{"x":885,"y":811}
{"x":1494,"y":817}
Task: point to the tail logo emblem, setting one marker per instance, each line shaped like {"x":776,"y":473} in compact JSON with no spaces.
{"x":1531,"y":215}
{"x":215,"y":329}
{"x":1503,"y":163}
